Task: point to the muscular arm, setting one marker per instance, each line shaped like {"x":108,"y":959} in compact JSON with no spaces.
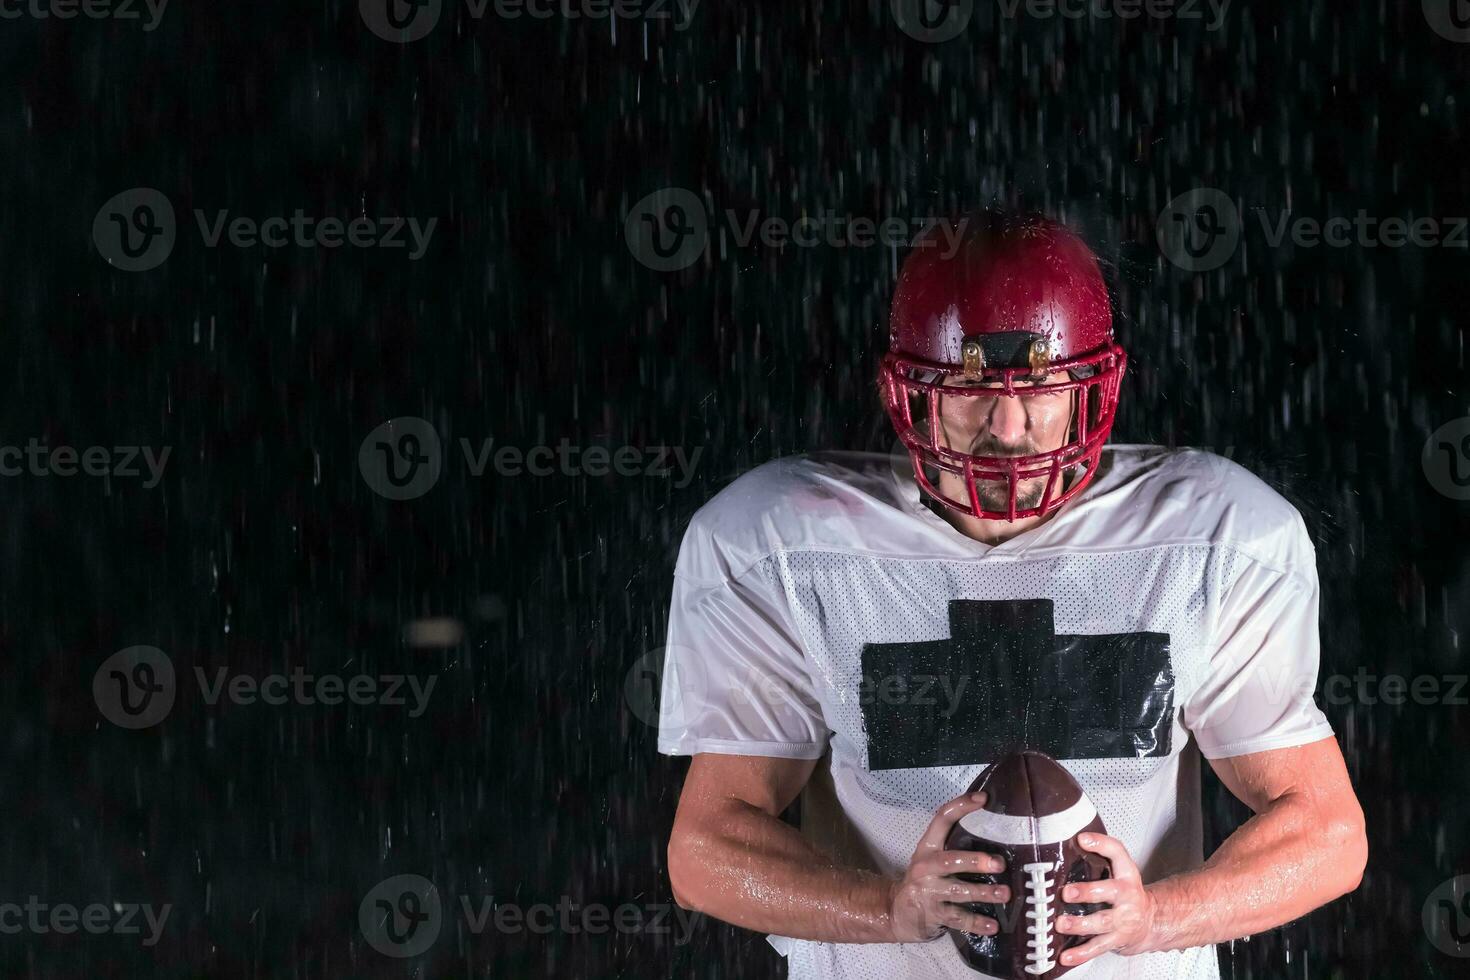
{"x":1304,"y":847}
{"x":731,"y":856}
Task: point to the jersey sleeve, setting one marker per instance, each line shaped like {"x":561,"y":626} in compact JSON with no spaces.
{"x":1257,"y":690}
{"x":735,"y":679}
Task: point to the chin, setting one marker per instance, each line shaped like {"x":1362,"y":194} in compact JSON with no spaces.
{"x":998,"y":500}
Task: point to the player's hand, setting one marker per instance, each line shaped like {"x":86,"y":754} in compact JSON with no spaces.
{"x":926,"y":899}
{"x":1125,"y":927}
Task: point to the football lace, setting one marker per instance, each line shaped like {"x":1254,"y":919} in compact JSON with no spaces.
{"x":1039,"y":957}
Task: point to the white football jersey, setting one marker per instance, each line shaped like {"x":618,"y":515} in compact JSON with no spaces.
{"x":1169,"y":610}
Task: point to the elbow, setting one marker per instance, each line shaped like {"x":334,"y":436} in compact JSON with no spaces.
{"x":1349,"y":840}
{"x":683,"y":870}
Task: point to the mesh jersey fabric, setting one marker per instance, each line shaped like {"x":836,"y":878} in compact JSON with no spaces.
{"x":800,"y":576}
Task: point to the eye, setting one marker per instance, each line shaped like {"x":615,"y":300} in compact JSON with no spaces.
{"x":960,"y":381}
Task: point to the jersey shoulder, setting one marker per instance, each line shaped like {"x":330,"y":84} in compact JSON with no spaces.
{"x":848,"y":502}
{"x":1153,"y":493}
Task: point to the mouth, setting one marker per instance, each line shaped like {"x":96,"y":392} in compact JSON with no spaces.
{"x":993,"y":451}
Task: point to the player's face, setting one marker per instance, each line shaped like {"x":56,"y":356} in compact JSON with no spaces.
{"x":1006,"y":425}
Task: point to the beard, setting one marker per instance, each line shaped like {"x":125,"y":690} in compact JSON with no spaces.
{"x":994,"y":495}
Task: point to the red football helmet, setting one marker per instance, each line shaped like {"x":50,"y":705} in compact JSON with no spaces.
{"x":1016,"y":309}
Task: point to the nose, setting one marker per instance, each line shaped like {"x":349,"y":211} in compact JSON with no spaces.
{"x":1008,"y":420}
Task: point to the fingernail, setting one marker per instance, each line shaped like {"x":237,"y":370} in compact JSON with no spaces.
{"x":978,"y":797}
{"x":1087,"y":840}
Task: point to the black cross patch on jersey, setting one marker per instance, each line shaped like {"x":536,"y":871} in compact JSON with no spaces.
{"x":1005,"y":680}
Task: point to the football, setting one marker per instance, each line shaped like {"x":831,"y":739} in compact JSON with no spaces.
{"x":1032,"y":816}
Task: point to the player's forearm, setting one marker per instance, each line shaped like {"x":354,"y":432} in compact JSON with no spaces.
{"x":1286,"y":861}
{"x":750,"y":869}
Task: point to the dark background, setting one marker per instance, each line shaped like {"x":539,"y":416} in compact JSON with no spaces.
{"x":529,"y":320}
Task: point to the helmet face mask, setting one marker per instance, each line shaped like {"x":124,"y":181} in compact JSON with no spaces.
{"x":1020,"y":312}
{"x":1001,"y":485}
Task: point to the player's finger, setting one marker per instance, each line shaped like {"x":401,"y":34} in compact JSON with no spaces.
{"x":1112,"y":849}
{"x":954,"y":890}
{"x":944,"y":820}
{"x":958,"y":862}
{"x":1086,"y":925}
{"x":1090,"y":950}
{"x":1091,"y":891}
{"x":964,"y":920}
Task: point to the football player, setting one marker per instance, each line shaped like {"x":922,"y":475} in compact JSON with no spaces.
{"x":876,"y":628}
